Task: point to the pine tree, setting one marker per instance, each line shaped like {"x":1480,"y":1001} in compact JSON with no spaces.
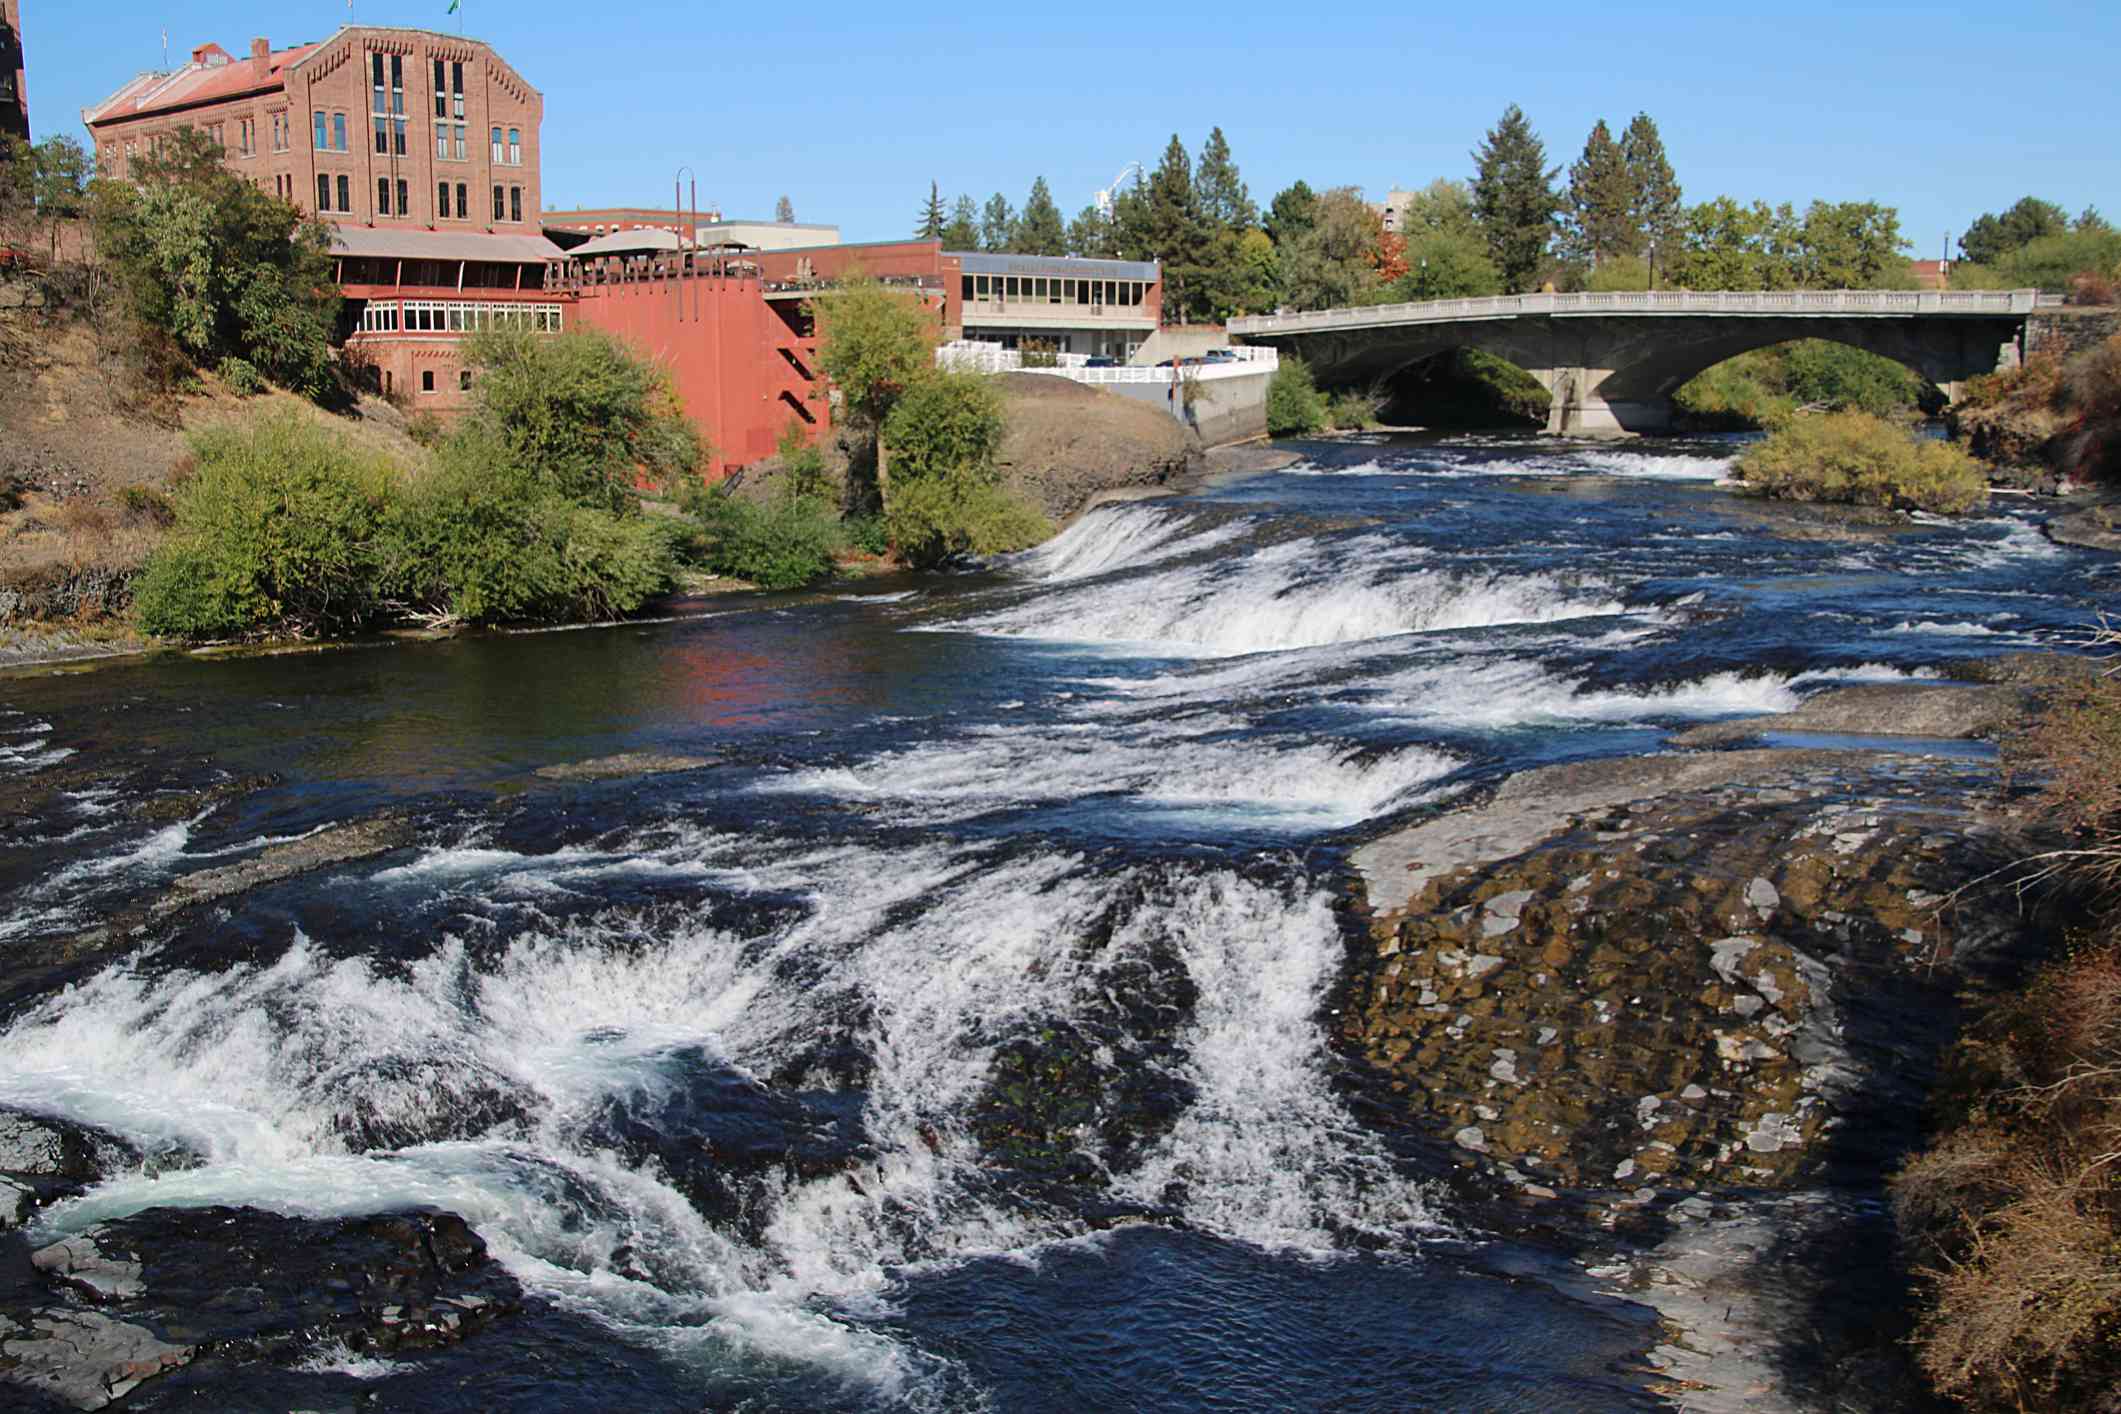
{"x":784,"y":211}
{"x":962,"y":232}
{"x":1601,"y":203}
{"x":1224,"y":202}
{"x":930,"y":227}
{"x":1294,"y":211}
{"x":997,"y":226}
{"x":1091,"y":235}
{"x":1659,"y":215}
{"x":1513,"y":195}
{"x":1131,"y":238}
{"x":1040,"y":230}
{"x":1176,"y":233}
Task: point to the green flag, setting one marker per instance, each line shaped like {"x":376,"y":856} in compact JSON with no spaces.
{"x":453,"y":6}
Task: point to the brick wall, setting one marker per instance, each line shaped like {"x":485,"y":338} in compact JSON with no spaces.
{"x":335,"y":80}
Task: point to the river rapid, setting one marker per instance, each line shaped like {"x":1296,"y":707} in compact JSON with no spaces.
{"x":958,"y":1039}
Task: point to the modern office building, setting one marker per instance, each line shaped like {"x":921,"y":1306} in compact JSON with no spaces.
{"x":14,"y":77}
{"x":419,"y":148}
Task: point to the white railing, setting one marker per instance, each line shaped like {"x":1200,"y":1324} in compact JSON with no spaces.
{"x":970,"y":356}
{"x":1760,"y":302}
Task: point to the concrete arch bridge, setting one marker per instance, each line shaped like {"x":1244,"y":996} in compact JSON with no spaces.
{"x":1613,"y":361}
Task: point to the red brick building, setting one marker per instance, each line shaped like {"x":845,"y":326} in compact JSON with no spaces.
{"x":421,"y":149}
{"x":14,"y":78}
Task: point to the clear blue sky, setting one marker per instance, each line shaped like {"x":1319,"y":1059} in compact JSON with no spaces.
{"x":851,"y":109}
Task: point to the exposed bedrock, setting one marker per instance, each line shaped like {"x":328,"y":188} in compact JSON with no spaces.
{"x":122,"y":1302}
{"x":1719,"y":970}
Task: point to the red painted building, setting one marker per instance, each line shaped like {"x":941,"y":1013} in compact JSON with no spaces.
{"x":735,"y":330}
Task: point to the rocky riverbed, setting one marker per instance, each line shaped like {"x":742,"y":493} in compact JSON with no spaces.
{"x":1654,"y":992}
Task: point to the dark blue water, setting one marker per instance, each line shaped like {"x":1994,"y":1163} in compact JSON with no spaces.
{"x":954,"y":1040}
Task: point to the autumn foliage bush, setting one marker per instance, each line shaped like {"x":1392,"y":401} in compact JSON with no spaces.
{"x":2012,"y":1218}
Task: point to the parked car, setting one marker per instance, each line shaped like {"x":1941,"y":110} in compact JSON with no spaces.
{"x":1102,"y":361}
{"x":1218,"y":356}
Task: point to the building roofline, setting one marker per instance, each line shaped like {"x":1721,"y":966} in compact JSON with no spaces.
{"x":330,"y":39}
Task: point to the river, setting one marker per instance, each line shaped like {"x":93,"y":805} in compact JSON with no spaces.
{"x":958,"y":1038}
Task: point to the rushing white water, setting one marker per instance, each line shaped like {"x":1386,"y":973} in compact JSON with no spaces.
{"x":1119,"y":537}
{"x":1295,"y":595}
{"x":272,"y":1072}
{"x":1266,"y":1154}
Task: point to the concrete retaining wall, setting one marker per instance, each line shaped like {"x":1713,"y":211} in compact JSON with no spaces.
{"x":1225,"y":410}
{"x":2070,"y":330}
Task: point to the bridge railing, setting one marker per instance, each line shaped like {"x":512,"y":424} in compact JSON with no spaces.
{"x":1760,"y":302}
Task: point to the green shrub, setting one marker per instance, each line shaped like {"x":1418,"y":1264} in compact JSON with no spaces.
{"x":580,"y":413}
{"x":481,"y":540}
{"x":1765,"y":386}
{"x":278,"y":525}
{"x":934,"y":519}
{"x":945,"y":425}
{"x":1352,"y":411}
{"x":241,"y":376}
{"x":867,"y":534}
{"x":425,"y":428}
{"x":786,"y":544}
{"x":1855,"y":458}
{"x":802,"y":462}
{"x":1294,"y":406}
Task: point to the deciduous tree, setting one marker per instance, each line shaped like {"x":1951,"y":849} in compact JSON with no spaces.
{"x":784,"y":211}
{"x":1992,"y":237}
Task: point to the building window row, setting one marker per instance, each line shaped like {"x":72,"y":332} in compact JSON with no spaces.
{"x":509,"y":153}
{"x":465,"y":317}
{"x":462,"y":209}
{"x":444,"y":133}
{"x":330,"y":131}
{"x":247,"y":136}
{"x":508,"y":200}
{"x":1047,"y":290}
{"x":383,"y":192}
{"x":279,"y":131}
{"x":327,"y":187}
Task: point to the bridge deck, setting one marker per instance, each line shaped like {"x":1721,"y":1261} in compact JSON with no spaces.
{"x":1781,"y":304}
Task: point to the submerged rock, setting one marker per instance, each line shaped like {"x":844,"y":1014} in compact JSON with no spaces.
{"x":624,"y":766}
{"x":1941,"y":711}
{"x":44,"y":1159}
{"x":128,"y":1299}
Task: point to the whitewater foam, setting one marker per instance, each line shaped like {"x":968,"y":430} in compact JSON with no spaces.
{"x":1118,"y":537}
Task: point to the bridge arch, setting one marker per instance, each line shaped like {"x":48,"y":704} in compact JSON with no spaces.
{"x":1612,"y":361}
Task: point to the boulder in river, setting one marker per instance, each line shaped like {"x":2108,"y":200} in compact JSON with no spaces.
{"x":125,"y":1300}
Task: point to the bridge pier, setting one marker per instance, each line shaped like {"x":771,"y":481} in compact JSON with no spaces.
{"x":1578,"y":409}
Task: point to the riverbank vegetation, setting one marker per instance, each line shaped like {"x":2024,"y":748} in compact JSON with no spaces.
{"x":1854,"y":458}
{"x":2012,"y":1216}
{"x":1766,"y":386}
{"x":529,"y":510}
{"x":930,"y":438}
{"x":2060,"y":414}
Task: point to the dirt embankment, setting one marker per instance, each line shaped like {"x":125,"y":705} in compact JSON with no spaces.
{"x":86,"y":465}
{"x":1069,"y":443}
{"x":1066,"y":446}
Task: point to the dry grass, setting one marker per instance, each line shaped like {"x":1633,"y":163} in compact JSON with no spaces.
{"x":2013,"y":1217}
{"x":90,"y":464}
